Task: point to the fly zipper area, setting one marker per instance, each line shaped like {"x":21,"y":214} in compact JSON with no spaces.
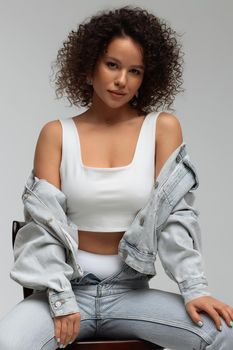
{"x":97,"y":301}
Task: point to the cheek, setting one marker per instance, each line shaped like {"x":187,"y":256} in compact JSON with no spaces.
{"x":136,"y":83}
{"x":104,"y":75}
{"x":108,"y":73}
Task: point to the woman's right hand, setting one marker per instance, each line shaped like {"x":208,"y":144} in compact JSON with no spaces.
{"x":67,"y":328}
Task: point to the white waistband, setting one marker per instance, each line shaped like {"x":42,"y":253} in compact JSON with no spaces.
{"x":100,"y":264}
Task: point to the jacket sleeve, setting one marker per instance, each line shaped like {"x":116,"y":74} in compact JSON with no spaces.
{"x":179,"y":249}
{"x":40,"y":264}
{"x":41,"y":260}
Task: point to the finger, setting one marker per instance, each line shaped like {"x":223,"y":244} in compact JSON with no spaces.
{"x":63,"y":331}
{"x":229,"y":309}
{"x":76,"y":329}
{"x":214,"y":315}
{"x":69,"y":332}
{"x":57,"y":329}
{"x":195,"y":315}
{"x":226,"y":314}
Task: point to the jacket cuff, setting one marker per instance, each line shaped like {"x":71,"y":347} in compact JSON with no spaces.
{"x":194,"y":289}
{"x":62,"y":303}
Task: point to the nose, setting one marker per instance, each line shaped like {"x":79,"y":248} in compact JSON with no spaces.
{"x":121,"y":79}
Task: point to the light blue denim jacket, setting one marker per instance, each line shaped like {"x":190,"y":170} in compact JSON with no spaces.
{"x":46,"y":246}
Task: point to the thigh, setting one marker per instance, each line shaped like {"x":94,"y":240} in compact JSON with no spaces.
{"x":29,"y":325}
{"x":154,"y":315}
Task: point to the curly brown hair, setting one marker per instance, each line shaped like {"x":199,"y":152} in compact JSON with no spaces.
{"x":162,"y":57}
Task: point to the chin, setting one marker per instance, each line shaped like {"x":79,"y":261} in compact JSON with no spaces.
{"x":114,"y":105}
{"x":108,"y":102}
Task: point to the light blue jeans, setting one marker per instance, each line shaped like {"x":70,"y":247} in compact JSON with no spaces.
{"x":121,"y":306}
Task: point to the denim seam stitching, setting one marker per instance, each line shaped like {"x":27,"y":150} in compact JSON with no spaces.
{"x":170,"y":323}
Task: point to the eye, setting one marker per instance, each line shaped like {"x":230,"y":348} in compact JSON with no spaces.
{"x":114,"y":65}
{"x":111,"y":64}
{"x":136,"y":71}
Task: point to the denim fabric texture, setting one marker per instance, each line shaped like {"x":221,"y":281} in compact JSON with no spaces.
{"x":45,"y":251}
{"x":121,"y":306}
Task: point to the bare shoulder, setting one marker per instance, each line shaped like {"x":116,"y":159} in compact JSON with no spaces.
{"x":47,"y":155}
{"x":168,"y":123}
{"x":168,"y":138}
{"x":51,"y":131}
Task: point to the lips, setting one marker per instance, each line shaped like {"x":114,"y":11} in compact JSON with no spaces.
{"x":117,"y":92}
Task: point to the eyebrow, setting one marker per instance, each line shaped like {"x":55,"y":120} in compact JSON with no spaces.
{"x":134,"y":65}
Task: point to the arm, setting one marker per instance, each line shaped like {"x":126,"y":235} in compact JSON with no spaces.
{"x":168,"y":138}
{"x":179,"y":249}
{"x":46,"y":166}
{"x":179,"y":239}
{"x":180,"y":255}
{"x":47,"y":156}
{"x":180,"y":259}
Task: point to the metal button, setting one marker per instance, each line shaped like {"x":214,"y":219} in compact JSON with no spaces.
{"x":156,"y":184}
{"x":142,"y":221}
{"x":57,"y":304}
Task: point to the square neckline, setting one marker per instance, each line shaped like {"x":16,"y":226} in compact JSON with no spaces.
{"x":109,"y":168}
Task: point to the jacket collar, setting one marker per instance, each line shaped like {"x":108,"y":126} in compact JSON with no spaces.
{"x":178,"y":155}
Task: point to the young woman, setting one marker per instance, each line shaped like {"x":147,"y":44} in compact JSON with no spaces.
{"x":122,"y":176}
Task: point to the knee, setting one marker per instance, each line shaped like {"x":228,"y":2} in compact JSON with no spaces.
{"x":224,"y":339}
{"x":7,"y":342}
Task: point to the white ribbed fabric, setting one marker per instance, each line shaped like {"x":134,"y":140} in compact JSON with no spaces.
{"x":107,"y":199}
{"x":100,"y":264}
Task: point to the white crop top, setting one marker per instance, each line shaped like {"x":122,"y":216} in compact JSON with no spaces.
{"x":107,"y":199}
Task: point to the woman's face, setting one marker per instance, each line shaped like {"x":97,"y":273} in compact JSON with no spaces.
{"x":120,"y":69}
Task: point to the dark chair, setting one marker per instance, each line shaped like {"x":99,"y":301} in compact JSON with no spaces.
{"x":100,"y":343}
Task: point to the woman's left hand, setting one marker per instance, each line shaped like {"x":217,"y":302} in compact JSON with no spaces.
{"x":213,"y":307}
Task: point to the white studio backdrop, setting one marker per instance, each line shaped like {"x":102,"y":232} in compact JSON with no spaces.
{"x":32,"y":31}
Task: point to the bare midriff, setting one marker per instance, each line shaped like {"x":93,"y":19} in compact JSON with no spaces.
{"x":99,"y":242}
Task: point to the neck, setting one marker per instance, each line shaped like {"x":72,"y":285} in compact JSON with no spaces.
{"x":104,"y":114}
